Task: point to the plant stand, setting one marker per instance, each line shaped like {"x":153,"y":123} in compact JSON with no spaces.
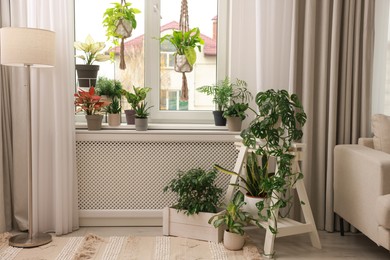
{"x":285,"y":226}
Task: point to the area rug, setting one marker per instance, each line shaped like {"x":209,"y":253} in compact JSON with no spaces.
{"x":136,"y":248}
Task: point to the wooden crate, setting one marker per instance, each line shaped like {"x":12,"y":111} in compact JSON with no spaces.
{"x":194,"y":226}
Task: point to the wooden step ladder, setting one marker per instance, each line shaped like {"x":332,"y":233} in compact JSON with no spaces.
{"x":285,"y":226}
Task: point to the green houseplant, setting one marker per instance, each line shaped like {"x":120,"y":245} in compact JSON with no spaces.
{"x":119,"y":22}
{"x":92,"y":51}
{"x":198,"y":199}
{"x":134,"y":98}
{"x":114,"y":112}
{"x":91,"y":104}
{"x":223,"y":92}
{"x":185,"y":44}
{"x":108,"y":87}
{"x":271,"y":134}
{"x":141,"y":116}
{"x":234,"y":218}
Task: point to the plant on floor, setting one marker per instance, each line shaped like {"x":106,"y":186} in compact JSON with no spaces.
{"x":196,"y":191}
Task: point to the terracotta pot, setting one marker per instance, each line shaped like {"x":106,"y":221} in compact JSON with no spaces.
{"x":114,"y":119}
{"x":94,"y":122}
{"x":234,"y":123}
{"x":233,"y":241}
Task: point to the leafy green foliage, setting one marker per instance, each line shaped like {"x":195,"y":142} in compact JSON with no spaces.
{"x":196,"y":191}
{"x":185,"y":43}
{"x":225,"y":91}
{"x":113,"y":15}
{"x":271,"y":134}
{"x":135,"y":98}
{"x":233,"y":217}
{"x":109,"y":87}
{"x":142,"y":110}
{"x":115,"y":106}
{"x":236,"y":110}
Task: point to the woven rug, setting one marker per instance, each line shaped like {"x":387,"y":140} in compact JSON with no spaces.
{"x":137,"y":248}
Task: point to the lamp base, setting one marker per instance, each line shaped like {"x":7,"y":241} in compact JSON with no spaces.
{"x":24,"y":240}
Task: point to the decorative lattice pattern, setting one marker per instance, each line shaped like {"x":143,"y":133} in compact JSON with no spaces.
{"x":126,"y":175}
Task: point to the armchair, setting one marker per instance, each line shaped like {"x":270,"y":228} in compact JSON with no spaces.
{"x":362,"y":189}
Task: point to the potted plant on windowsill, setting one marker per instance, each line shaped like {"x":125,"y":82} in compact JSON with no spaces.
{"x":91,"y":104}
{"x":119,"y":22}
{"x":108,"y":88}
{"x":134,"y":98}
{"x":87,"y":73}
{"x":198,"y":199}
{"x":114,"y":112}
{"x":223,"y":93}
{"x":141,"y":116}
{"x":234,"y":219}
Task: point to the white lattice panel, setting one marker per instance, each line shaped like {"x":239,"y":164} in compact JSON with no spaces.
{"x":128,"y":175}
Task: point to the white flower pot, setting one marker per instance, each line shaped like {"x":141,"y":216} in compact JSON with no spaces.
{"x":233,"y":241}
{"x":114,"y":119}
{"x":250,"y":206}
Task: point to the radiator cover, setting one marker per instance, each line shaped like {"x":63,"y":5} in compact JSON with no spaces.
{"x":125,"y":175}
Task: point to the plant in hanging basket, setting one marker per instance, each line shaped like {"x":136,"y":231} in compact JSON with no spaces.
{"x":119,"y":22}
{"x":185,"y":44}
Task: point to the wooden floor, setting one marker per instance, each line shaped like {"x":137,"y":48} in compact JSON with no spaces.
{"x":351,"y":246}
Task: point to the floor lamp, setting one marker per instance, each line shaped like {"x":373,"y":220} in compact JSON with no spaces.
{"x":28,"y":47}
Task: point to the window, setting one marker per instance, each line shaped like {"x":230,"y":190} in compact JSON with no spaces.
{"x":151,"y":64}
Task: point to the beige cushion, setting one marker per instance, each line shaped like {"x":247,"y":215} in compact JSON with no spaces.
{"x":380,"y":125}
{"x":382,"y":209}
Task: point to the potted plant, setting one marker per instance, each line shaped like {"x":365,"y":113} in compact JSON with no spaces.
{"x":108,"y":88}
{"x":223,"y":92}
{"x":141,"y":116}
{"x":234,"y":219}
{"x":91,"y":104}
{"x":134,"y":98}
{"x":271,"y":134}
{"x":185,"y":44}
{"x":87,"y":73}
{"x":198,"y":199}
{"x":114,"y":112}
{"x":119,"y":22}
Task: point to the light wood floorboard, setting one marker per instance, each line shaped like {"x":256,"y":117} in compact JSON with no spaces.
{"x":351,"y":246}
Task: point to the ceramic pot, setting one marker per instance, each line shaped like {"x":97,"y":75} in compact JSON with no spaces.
{"x":94,"y":122}
{"x":141,"y":124}
{"x":86,"y":75}
{"x":219,"y":120}
{"x":114,"y":119}
{"x":234,"y":123}
{"x":233,"y":241}
{"x":130,"y":116}
{"x":250,"y":205}
{"x":181,"y":64}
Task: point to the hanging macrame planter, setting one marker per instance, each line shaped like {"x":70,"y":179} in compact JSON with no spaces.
{"x":124,"y":29}
{"x":181,"y":62}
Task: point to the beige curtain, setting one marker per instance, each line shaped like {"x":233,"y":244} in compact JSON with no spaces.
{"x":331,"y":69}
{"x":6,"y":148}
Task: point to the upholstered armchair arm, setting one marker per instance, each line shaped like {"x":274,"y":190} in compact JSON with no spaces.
{"x":361,"y":175}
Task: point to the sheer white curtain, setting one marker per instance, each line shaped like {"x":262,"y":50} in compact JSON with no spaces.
{"x":53,"y":144}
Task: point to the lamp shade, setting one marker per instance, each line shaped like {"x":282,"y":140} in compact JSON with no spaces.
{"x":27,"y":46}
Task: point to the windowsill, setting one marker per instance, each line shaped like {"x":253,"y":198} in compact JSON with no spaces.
{"x":160,"y":128}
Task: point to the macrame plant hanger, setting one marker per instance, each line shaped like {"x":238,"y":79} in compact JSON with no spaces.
{"x":123,"y":28}
{"x":184,"y":27}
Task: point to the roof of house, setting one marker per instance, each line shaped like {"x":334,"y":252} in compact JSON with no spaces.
{"x":209,"y":48}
